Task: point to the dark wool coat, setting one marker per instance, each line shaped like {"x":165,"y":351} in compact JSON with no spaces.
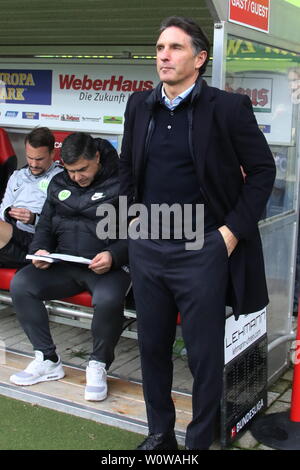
{"x":223,"y":137}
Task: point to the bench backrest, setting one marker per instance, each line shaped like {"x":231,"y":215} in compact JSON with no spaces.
{"x":8,"y":161}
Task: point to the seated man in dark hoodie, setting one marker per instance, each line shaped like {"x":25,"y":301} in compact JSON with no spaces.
{"x":68,"y":225}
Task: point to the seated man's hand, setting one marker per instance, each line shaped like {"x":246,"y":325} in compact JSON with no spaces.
{"x":21,"y":214}
{"x":39,"y":263}
{"x":101,"y":263}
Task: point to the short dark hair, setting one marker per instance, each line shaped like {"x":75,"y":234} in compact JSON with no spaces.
{"x":40,"y":137}
{"x":77,"y":145}
{"x":199,"y":39}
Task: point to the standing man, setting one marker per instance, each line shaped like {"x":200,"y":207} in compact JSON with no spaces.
{"x":24,"y":197}
{"x":68,"y":225}
{"x":185,"y":143}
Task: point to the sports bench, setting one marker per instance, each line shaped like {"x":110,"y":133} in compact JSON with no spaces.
{"x":8,"y":160}
{"x":76,"y":310}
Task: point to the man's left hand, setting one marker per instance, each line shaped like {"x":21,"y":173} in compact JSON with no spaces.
{"x":230,"y":240}
{"x":101,"y":263}
{"x":21,"y":214}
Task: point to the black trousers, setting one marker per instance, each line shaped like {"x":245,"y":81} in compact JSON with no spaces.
{"x":168,"y":279}
{"x":30,"y":286}
{"x":13,"y":254}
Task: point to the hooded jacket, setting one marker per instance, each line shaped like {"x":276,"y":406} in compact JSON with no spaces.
{"x":69,"y":218}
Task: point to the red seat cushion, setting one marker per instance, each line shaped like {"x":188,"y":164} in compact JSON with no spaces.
{"x":8,"y":161}
{"x":6,"y":275}
{"x":6,"y":148}
{"x":59,"y":138}
{"x":84,"y":299}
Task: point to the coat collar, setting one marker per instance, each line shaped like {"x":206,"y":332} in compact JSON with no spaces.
{"x":201,"y":112}
{"x":155,"y":96}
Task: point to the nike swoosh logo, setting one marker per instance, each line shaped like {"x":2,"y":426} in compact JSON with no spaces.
{"x":97,"y":196}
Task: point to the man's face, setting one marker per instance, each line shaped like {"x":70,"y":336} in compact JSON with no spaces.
{"x":177,"y":64}
{"x":83,"y":171}
{"x":38,"y":159}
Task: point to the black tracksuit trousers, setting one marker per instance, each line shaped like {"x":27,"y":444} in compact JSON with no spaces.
{"x":31,"y":286}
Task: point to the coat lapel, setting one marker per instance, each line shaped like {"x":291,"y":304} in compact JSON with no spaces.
{"x":143,"y":116}
{"x":202,"y":123}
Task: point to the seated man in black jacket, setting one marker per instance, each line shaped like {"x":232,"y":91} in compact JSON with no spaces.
{"x":68,"y":225}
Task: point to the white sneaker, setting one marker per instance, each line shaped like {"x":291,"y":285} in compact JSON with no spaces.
{"x":96,"y":382}
{"x":39,"y":370}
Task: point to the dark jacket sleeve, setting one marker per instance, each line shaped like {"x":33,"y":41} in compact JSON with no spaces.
{"x":119,"y":253}
{"x":125,"y":161}
{"x":258,"y":165}
{"x":118,"y":247}
{"x":44,"y":238}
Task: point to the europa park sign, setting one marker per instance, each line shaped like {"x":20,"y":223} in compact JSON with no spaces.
{"x":253,"y":14}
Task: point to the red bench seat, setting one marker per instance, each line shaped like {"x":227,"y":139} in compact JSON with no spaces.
{"x":6,"y":276}
{"x":84,"y":298}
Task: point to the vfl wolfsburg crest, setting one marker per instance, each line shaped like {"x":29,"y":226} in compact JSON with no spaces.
{"x":43,"y":185}
{"x":64,"y":194}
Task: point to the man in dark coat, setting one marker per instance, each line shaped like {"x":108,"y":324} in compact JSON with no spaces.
{"x":68,"y":225}
{"x":190,"y":144}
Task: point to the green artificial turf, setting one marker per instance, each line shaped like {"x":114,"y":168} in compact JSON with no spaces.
{"x":32,"y":427}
